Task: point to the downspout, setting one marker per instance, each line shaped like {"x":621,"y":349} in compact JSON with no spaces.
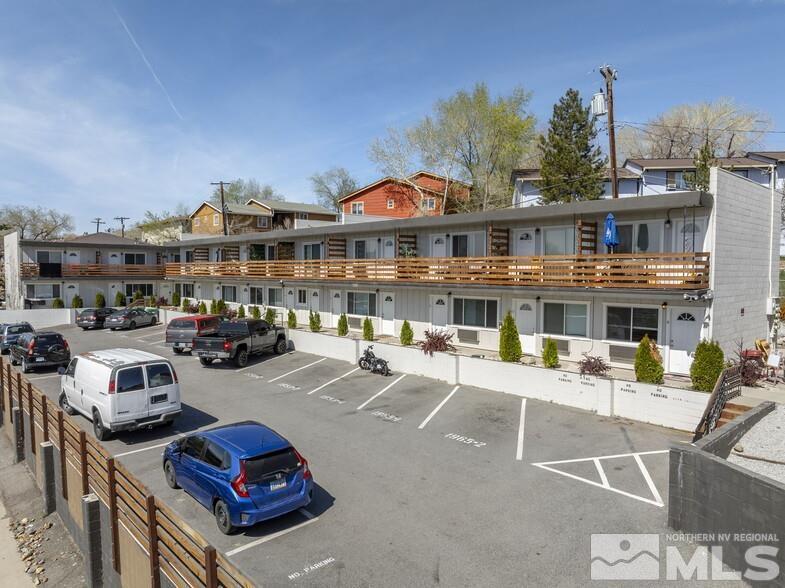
{"x":774,"y":310}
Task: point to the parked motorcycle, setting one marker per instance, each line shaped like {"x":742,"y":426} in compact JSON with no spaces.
{"x":376,"y":365}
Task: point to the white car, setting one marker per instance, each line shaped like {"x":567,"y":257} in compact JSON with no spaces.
{"x":120,"y":390}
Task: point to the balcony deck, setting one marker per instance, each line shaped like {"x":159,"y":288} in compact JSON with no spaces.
{"x":91,"y":270}
{"x":659,"y":271}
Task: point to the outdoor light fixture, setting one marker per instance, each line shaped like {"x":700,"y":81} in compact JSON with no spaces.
{"x":537,"y":299}
{"x":664,"y":305}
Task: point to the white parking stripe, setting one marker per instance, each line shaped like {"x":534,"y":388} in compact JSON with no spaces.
{"x":648,"y":479}
{"x":333,"y":381}
{"x":438,"y":408}
{"x":601,"y":472}
{"x":148,"y":335}
{"x":147,"y":448}
{"x":263,"y":362}
{"x":298,"y":369}
{"x":310,"y":518}
{"x":44,"y":377}
{"x":382,"y":391}
{"x":519,"y":450}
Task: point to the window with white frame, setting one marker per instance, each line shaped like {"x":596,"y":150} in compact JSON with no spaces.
{"x":197,"y":221}
{"x":460,"y":246}
{"x":229,"y":293}
{"x":559,"y":241}
{"x":639,"y":237}
{"x":302,"y":297}
{"x":274,"y":296}
{"x":312,"y":251}
{"x":390,"y":203}
{"x":145,"y":289}
{"x":364,"y":248}
{"x":679,"y":180}
{"x":475,"y":312}
{"x":184,"y":290}
{"x":46,"y":291}
{"x":429,"y":203}
{"x":361,"y":303}
{"x":631,"y":323}
{"x":566,"y":319}
{"x":256,"y":295}
{"x":48,"y":257}
{"x":134,"y":258}
{"x":261,"y":222}
{"x":358,"y":207}
{"x":216,"y":219}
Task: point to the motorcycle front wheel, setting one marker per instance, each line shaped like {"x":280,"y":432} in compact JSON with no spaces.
{"x":363,"y":363}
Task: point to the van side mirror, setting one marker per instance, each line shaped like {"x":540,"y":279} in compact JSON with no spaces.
{"x":61,"y":370}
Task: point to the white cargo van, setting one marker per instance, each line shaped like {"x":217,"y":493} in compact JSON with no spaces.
{"x":120,"y":390}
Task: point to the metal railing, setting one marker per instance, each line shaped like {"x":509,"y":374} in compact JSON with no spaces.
{"x":728,"y":386}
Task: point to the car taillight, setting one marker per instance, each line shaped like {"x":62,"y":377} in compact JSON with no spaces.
{"x":111,"y":386}
{"x":228,"y":345}
{"x":193,"y":343}
{"x":238,"y":484}
{"x":31,"y":347}
{"x":304,"y":462}
{"x":174,"y":375}
{"x":65,"y":345}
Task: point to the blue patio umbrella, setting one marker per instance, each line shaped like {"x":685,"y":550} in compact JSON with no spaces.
{"x":611,"y":235}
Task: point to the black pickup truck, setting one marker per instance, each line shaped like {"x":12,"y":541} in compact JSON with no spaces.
{"x":236,"y":340}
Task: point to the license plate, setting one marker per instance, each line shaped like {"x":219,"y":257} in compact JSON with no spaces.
{"x":179,"y":344}
{"x":207,"y":354}
{"x":40,"y":359}
{"x":278,"y":485}
{"x":158,"y":398}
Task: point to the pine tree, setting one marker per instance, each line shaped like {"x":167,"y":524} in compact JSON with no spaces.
{"x":704,"y":160}
{"x":343,"y":325}
{"x":176,"y":300}
{"x":185,"y":305}
{"x":256,"y":312}
{"x":203,"y":308}
{"x":707,"y":365}
{"x":407,"y":335}
{"x":550,"y":354}
{"x":291,"y":320}
{"x":58,"y":303}
{"x":315,"y":321}
{"x":509,"y":340}
{"x":119,"y":299}
{"x":213,"y":307}
{"x":571,"y":166}
{"x":76,"y":302}
{"x":241,"y":311}
{"x":269,"y":315}
{"x":100,"y":300}
{"x":648,"y":368}
{"x":367,"y":329}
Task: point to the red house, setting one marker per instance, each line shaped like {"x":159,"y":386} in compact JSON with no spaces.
{"x":396,"y":198}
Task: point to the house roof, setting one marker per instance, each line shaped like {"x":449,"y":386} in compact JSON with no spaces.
{"x":93,"y":239}
{"x":284,"y":206}
{"x":531,"y":213}
{"x":687,"y":163}
{"x":533,"y":173}
{"x":388,"y":179}
{"x":234,"y":208}
{"x":778,"y":156}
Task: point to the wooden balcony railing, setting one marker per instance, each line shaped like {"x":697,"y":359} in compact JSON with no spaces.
{"x":658,"y":271}
{"x":86,"y":270}
{"x":28,"y":270}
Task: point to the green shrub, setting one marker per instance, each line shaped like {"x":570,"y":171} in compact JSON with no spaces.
{"x":550,"y":354}
{"x":707,"y":365}
{"x":648,"y":366}
{"x":58,"y":303}
{"x":343,"y":325}
{"x":220,"y":307}
{"x":241,"y":311}
{"x":202,"y":307}
{"x":176,"y":299}
{"x":315,"y":321}
{"x":119,"y":299}
{"x":138,"y":295}
{"x":213,"y":307}
{"x":100,"y":300}
{"x":77,"y":302}
{"x":269,"y":315}
{"x":150,"y":301}
{"x":367,"y":329}
{"x":256,"y":312}
{"x":407,"y":335}
{"x":509,"y":341}
{"x":291,"y":319}
{"x":185,"y":306}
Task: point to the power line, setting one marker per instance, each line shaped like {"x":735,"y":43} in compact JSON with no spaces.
{"x":122,"y":220}
{"x":98,"y":222}
{"x":698,"y":128}
{"x":224,"y":214}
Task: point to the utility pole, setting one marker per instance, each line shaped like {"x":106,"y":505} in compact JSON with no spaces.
{"x":223,"y":204}
{"x":98,"y":222}
{"x":610,"y":74}
{"x":122,"y":220}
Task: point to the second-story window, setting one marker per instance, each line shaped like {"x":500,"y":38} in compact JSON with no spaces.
{"x":48,"y":257}
{"x":134,"y":258}
{"x":679,"y":180}
{"x":390,"y":203}
{"x":197,"y":221}
{"x":360,"y":251}
{"x":358,"y":207}
{"x":429,"y":203}
{"x":261,"y":222}
{"x":312,"y":251}
{"x":460,"y":245}
{"x":216,"y":219}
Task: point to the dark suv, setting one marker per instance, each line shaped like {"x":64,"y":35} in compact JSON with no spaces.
{"x":10,"y":333}
{"x":43,"y":349}
{"x":93,"y":318}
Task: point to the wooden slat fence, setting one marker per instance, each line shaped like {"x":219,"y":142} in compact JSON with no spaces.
{"x":144,"y":530}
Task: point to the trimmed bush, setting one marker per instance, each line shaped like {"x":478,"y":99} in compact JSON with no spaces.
{"x":77,"y":302}
{"x":707,"y":365}
{"x":343,"y":325}
{"x":509,"y":341}
{"x":176,"y":299}
{"x":437,"y":340}
{"x":119,"y":299}
{"x":269,"y":315}
{"x":241,"y":311}
{"x":315,"y":321}
{"x":407,"y":335}
{"x":550,"y":354}
{"x":367,"y":329}
{"x":213,"y":307}
{"x":185,"y":306}
{"x":256,"y":312}
{"x":100,"y":300}
{"x":648,"y":366}
{"x":151,"y":301}
{"x":138,"y":295}
{"x":291,"y":319}
{"x":202,"y":307}
{"x":58,"y":303}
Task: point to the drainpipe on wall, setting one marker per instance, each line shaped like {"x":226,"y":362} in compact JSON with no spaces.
{"x":774,"y":310}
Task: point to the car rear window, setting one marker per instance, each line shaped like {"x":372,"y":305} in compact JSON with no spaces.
{"x":16,"y":329}
{"x":208,"y":323}
{"x":87,"y":313}
{"x":48,"y":340}
{"x":159,"y":374}
{"x":258,"y":468}
{"x":130,"y":379}
{"x":232,"y":328}
{"x":181,"y":324}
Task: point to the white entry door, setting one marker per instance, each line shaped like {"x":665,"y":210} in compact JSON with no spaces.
{"x":72,"y":257}
{"x":524,"y":243}
{"x":439,"y":311}
{"x":114,"y":258}
{"x":438,"y":245}
{"x":685,"y":325}
{"x":689,"y":236}
{"x":388,"y":247}
{"x":388,"y":313}
{"x":290,"y":298}
{"x":69,"y":291}
{"x":526,"y":321}
{"x":335,"y":306}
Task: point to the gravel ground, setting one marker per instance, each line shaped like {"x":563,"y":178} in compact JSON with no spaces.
{"x":767,"y":440}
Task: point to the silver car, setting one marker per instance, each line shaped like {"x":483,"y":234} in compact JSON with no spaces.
{"x":130,"y":318}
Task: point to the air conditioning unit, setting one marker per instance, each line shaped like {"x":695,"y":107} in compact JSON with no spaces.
{"x":355,"y":322}
{"x":622,"y":354}
{"x":468,"y":336}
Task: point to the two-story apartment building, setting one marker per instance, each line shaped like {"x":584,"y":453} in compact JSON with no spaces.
{"x":256,"y":215}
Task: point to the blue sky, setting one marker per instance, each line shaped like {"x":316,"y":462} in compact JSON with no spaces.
{"x":100,"y":120}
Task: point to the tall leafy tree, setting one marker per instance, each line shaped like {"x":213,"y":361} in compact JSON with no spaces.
{"x":332,"y":185}
{"x":36,"y":222}
{"x":240,"y":191}
{"x":572,"y":166}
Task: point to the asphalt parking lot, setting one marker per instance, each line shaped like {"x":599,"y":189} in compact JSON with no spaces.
{"x":418,"y":482}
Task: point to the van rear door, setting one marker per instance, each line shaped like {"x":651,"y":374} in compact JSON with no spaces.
{"x":162,"y":388}
{"x":130,"y":394}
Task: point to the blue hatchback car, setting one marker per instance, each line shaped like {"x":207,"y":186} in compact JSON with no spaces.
{"x":244,"y":473}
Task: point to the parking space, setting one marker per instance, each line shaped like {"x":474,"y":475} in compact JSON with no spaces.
{"x":418,"y":482}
